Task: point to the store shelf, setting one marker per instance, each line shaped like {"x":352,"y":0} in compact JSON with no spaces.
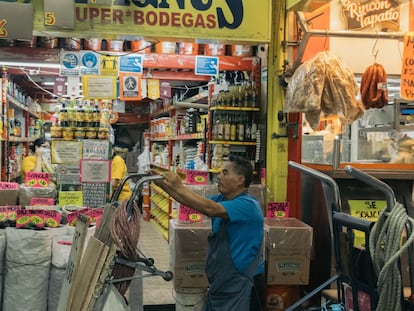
{"x":161,"y":166}
{"x":14,"y":102}
{"x":234,"y":109}
{"x":230,"y":142}
{"x":189,"y":136}
{"x":177,"y":61}
{"x":190,"y":105}
{"x":15,"y":139}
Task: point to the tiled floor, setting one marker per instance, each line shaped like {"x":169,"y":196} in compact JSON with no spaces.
{"x":150,"y":289}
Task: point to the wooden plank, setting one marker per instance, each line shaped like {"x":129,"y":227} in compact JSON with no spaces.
{"x":105,"y":272}
{"x":75,"y":256}
{"x":87,"y":275}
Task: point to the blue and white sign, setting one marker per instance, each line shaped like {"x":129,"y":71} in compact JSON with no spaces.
{"x":131,"y":63}
{"x":207,"y":65}
{"x":69,"y":63}
{"x":89,"y":63}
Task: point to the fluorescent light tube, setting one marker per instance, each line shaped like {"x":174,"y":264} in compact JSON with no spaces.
{"x":27,"y":64}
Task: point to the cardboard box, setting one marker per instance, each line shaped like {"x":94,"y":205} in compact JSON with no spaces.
{"x":8,"y":197}
{"x":188,"y":246}
{"x":26,"y":193}
{"x":288,"y":250}
{"x":8,"y":193}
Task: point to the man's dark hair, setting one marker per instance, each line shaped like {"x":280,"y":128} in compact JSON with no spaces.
{"x":38,"y":142}
{"x":242,"y":167}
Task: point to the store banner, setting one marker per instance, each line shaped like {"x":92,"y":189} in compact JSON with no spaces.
{"x":407,"y":73}
{"x":11,"y":17}
{"x":235,"y":20}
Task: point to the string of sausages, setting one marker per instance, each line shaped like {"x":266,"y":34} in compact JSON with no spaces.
{"x":125,"y":234}
{"x":374,"y":93}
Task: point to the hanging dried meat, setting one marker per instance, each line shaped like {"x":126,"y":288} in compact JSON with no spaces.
{"x":374,"y":93}
{"x":324,"y":85}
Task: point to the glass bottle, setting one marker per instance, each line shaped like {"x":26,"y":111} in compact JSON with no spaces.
{"x":233,"y":128}
{"x":226,"y":131}
{"x":240,"y":129}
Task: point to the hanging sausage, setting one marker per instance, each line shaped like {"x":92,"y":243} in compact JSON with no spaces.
{"x":374,"y":93}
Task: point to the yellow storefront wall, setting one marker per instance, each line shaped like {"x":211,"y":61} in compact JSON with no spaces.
{"x":236,"y":20}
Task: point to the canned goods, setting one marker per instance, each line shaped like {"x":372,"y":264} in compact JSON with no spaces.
{"x":79,"y":133}
{"x":55,"y":132}
{"x":67,"y":133}
{"x":103,"y":133}
{"x":90,"y":133}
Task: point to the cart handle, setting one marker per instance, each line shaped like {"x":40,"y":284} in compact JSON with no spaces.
{"x":374,"y":182}
{"x":117,"y":192}
{"x":322,"y":177}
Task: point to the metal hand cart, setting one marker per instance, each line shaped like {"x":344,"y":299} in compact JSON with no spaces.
{"x":100,"y":285}
{"x":353,"y":265}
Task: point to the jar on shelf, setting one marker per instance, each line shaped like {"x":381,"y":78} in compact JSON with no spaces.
{"x":90,"y":133}
{"x":56,"y":132}
{"x":68,"y":133}
{"x":79,"y":133}
{"x":103,"y":133}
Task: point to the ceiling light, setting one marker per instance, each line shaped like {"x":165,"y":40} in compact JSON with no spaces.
{"x":28,"y":64}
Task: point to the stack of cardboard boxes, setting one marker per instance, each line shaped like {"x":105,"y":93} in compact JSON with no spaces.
{"x":288,"y":248}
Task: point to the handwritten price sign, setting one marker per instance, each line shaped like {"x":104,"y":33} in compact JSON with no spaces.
{"x":194,"y":177}
{"x":37,"y":179}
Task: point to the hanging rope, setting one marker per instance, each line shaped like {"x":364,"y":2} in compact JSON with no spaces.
{"x":125,"y":234}
{"x":385,"y":250}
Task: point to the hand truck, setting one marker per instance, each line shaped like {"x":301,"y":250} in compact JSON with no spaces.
{"x":94,"y":282}
{"x":342,"y":226}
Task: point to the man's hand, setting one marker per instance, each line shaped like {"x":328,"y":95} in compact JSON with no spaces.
{"x":170,"y":179}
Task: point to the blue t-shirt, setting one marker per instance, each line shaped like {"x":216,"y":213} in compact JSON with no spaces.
{"x":245,"y":229}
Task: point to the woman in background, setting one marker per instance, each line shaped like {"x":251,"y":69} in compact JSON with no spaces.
{"x":35,"y":162}
{"x":119,"y":172}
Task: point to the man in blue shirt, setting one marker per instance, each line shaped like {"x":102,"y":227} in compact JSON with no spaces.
{"x":234,"y":267}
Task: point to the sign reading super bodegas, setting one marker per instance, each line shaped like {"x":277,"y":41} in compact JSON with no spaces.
{"x":233,"y":20}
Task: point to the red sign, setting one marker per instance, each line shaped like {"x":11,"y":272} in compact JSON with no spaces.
{"x":277,"y":210}
{"x":42,"y":201}
{"x":8,"y":185}
{"x":194,"y":177}
{"x":37,"y":179}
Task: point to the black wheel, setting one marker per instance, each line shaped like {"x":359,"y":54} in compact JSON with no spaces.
{"x":168,"y":276}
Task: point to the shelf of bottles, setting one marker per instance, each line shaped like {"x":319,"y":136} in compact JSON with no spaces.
{"x":82,"y":119}
{"x":233,"y":120}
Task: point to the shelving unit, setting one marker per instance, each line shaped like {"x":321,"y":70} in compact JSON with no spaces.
{"x":15,"y":143}
{"x":166,"y":121}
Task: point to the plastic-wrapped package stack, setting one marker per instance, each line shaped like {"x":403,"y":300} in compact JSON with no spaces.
{"x":27,"y":269}
{"x":2,"y":252}
{"x":61,"y":246}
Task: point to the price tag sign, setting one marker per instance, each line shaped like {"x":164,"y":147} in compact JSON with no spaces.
{"x":37,"y":179}
{"x":365,"y":209}
{"x":194,"y":177}
{"x":70,"y":198}
{"x":277,"y":210}
{"x":9,"y":185}
{"x":407,"y":73}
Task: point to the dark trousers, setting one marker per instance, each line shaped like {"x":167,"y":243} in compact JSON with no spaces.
{"x":257,"y":298}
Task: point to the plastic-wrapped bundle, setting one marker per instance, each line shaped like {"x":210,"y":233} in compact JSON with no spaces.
{"x":27,"y":269}
{"x":2,"y":252}
{"x":61,"y":247}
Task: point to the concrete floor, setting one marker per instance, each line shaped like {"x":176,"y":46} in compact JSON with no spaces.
{"x":152,"y":290}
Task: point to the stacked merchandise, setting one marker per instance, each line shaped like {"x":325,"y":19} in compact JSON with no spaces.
{"x":288,"y":243}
